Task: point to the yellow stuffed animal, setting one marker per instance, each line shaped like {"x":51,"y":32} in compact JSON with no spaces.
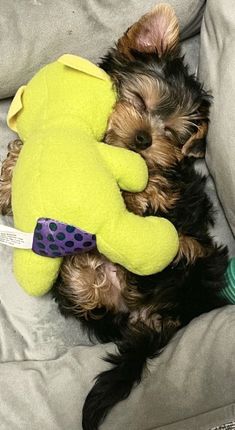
{"x":66,"y":182}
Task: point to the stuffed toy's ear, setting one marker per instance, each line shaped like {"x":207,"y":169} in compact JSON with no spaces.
{"x":156,"y":32}
{"x":196,"y":144}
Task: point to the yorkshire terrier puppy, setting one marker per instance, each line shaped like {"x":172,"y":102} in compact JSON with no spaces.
{"x":161,"y":113}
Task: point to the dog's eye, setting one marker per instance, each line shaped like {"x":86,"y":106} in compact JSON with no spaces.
{"x":169,"y":132}
{"x":139,"y":102}
{"x":173,"y":135}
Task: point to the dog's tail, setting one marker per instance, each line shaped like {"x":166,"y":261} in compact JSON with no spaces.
{"x":115,"y":384}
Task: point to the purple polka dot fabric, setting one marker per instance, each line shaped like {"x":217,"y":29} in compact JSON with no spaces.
{"x":56,"y":239}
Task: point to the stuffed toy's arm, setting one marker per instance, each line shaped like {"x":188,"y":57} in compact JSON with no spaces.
{"x":128,"y":168}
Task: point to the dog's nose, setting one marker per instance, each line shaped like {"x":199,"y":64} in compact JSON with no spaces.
{"x":143,"y":139}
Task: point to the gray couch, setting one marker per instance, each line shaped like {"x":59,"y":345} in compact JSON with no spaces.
{"x":47,"y":364}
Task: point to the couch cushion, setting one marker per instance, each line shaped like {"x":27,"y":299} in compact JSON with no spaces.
{"x":33,"y":33}
{"x":46,"y":372}
{"x":217,"y":70}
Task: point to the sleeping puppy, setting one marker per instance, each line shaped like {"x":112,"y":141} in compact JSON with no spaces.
{"x":161,"y":113}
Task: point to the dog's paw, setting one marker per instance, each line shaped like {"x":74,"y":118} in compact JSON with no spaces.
{"x":143,"y":315}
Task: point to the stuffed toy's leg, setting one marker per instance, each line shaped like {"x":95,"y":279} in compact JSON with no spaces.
{"x":142,"y":245}
{"x":34,"y":273}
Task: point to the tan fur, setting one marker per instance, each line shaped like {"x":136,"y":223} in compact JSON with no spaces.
{"x":90,"y":281}
{"x":198,"y":135}
{"x":152,"y":320}
{"x":158,"y":195}
{"x":191,"y":249}
{"x":7,"y":169}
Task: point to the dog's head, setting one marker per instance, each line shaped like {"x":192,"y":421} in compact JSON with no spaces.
{"x":162,"y":110}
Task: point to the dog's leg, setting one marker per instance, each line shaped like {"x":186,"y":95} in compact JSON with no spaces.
{"x":8,"y":165}
{"x":89,"y":282}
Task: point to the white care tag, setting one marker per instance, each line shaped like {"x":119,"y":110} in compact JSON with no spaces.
{"x":18,"y":239}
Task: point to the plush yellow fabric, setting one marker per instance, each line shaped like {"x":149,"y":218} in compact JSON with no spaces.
{"x":64,"y":172}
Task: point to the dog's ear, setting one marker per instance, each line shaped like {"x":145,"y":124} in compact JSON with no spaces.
{"x":156,"y":32}
{"x":195,"y":146}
